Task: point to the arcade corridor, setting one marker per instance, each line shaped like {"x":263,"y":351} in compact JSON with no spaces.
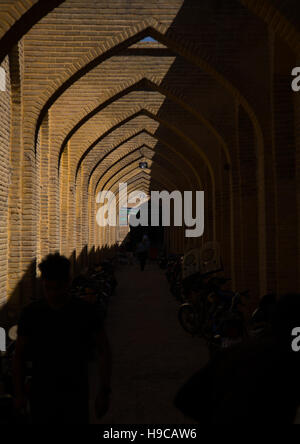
{"x":153,"y":356}
{"x":175,"y":95}
{"x":173,"y":98}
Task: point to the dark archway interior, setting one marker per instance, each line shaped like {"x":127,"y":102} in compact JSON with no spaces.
{"x":200,"y":93}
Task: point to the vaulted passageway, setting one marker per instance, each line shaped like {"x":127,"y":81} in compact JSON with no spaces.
{"x":200,"y":91}
{"x":168,"y":96}
{"x":152,"y":355}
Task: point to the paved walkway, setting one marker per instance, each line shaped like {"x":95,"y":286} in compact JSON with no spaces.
{"x":152,"y":355}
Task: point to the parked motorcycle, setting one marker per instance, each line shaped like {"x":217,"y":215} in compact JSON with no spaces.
{"x":261,"y":319}
{"x":213,"y":313}
{"x":96,"y":287}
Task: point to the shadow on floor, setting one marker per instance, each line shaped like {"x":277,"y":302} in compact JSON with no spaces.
{"x":152,"y":355}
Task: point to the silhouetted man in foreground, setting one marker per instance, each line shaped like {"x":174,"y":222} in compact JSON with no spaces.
{"x":58,"y":334}
{"x":255,"y":383}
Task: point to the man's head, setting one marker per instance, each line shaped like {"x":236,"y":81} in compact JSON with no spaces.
{"x":55,"y":273}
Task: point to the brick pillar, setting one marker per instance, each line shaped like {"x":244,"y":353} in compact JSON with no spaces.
{"x":91,"y":223}
{"x":79,"y":220}
{"x":14,"y":198}
{"x":64,"y":192}
{"x":84,"y":215}
{"x":72,"y":222}
{"x":54,"y":210}
{"x":30,"y":182}
{"x":284,"y":137}
{"x":296,"y":98}
{"x":239,"y":280}
{"x":249,"y":206}
{"x":43,"y":244}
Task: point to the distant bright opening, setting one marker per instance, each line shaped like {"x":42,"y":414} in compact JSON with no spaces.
{"x":149,"y":39}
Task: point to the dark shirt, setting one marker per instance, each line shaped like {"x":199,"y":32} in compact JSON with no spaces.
{"x":59,"y":345}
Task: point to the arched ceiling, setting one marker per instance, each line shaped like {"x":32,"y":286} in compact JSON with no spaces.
{"x":18,"y":17}
{"x":86,"y":68}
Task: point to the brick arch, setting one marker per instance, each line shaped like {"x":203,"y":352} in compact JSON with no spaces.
{"x":230,"y":195}
{"x":139,"y":112}
{"x":158,"y":138}
{"x":92,"y":192}
{"x":91,"y":110}
{"x":157,"y":154}
{"x":219,"y":139}
{"x":83,"y":213}
{"x":149,"y":113}
{"x":174,"y":93}
{"x":132,"y":166}
{"x":254,"y":4}
{"x":114,"y":188}
{"x":178,"y":154}
{"x":177,"y":97}
{"x":137,"y":181}
{"x":131,"y":177}
{"x":121,"y":165}
{"x":139,"y":178}
{"x":131,"y":117}
{"x":189,"y":52}
{"x":125,"y":39}
{"x":19,"y":23}
{"x":134,"y":187}
{"x":262,"y":9}
{"x":134,"y":184}
{"x":177,"y":132}
{"x":277,"y":22}
{"x":133,"y":173}
{"x":153,"y":82}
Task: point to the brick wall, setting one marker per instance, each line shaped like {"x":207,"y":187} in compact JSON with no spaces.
{"x":209,"y":106}
{"x":5,"y":178}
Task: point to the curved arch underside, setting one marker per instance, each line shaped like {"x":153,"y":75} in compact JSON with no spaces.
{"x":88,"y":100}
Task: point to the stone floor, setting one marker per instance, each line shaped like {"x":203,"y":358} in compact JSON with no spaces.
{"x":152,"y":355}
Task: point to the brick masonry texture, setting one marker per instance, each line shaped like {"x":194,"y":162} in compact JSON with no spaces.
{"x":208,"y":104}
